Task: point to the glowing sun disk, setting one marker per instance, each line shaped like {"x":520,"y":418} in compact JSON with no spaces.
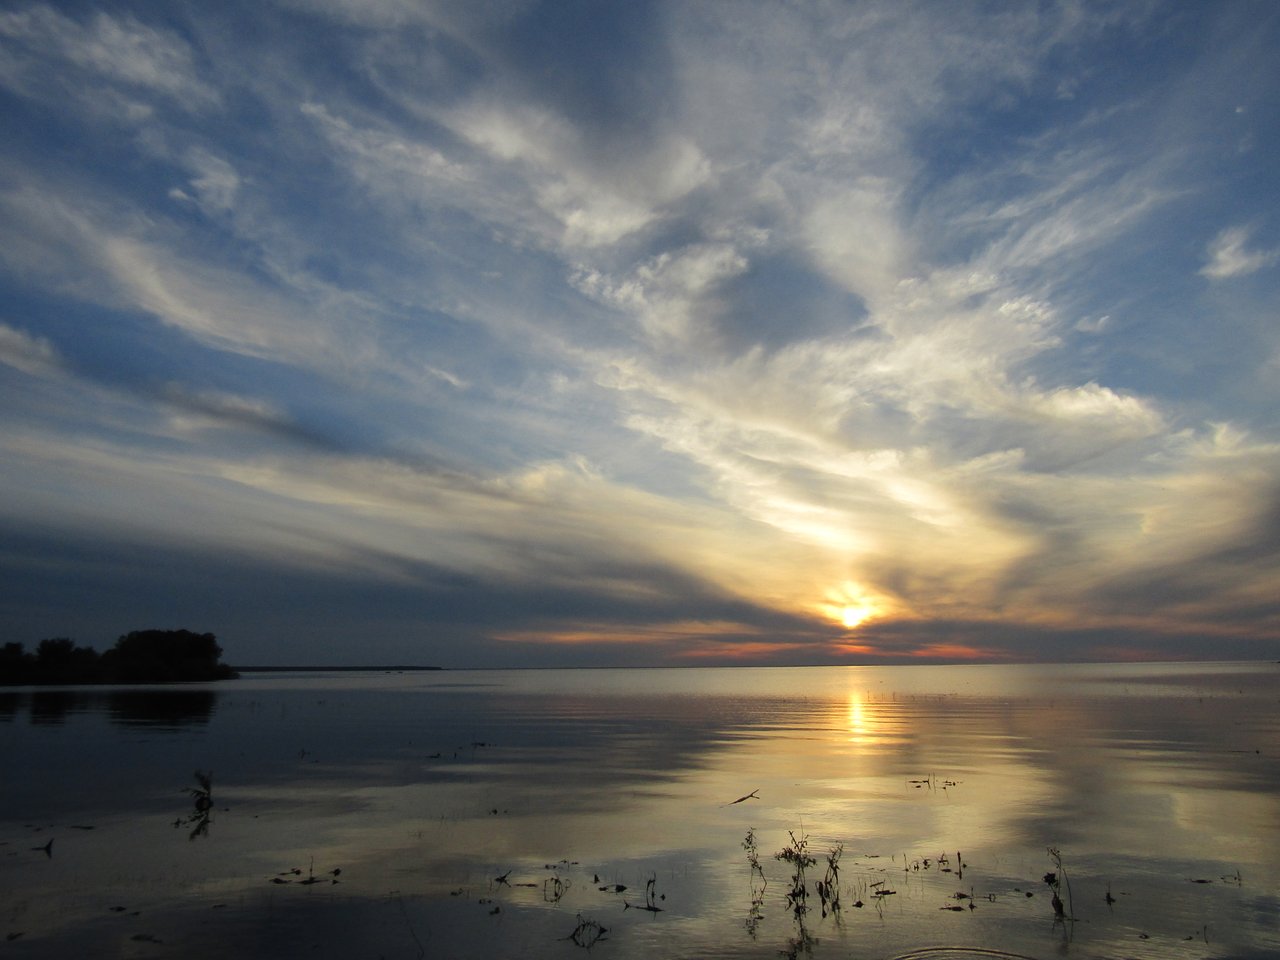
{"x":854,"y":614}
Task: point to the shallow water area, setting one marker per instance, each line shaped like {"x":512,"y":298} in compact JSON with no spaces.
{"x":645,"y":813}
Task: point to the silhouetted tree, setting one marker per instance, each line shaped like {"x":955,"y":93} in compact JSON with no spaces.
{"x":165,"y":656}
{"x":16,"y":665}
{"x":143,"y":656}
{"x":59,"y":660}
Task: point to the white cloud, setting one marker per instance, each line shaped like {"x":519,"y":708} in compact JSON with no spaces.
{"x":221,"y":308}
{"x":386,"y":150}
{"x":42,"y":49}
{"x":854,"y":233}
{"x":1228,"y":257}
{"x":215,"y":181}
{"x":596,"y":201}
{"x":99,"y":255}
{"x":668,"y":294}
{"x":528,"y":171}
{"x":1097,"y":406}
{"x":35,"y":356}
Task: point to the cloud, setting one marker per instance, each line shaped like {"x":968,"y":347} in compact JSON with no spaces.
{"x":214,"y":183}
{"x":558,"y":542}
{"x":593,"y":200}
{"x":670,"y":295}
{"x":677,"y":327}
{"x":91,"y":252}
{"x":117,"y":58}
{"x":34,"y":356}
{"x":197,"y":410}
{"x":1228,"y":257}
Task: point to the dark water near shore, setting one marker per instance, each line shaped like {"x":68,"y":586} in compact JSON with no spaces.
{"x":1159,"y":785}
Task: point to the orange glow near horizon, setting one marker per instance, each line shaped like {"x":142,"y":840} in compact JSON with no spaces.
{"x":745,"y":650}
{"x":956,"y":651}
{"x":837,"y":637}
{"x":857,"y":650}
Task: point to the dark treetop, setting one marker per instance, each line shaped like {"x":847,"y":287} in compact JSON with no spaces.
{"x":143,"y":656}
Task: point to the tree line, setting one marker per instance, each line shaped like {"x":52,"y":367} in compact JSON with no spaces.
{"x":142,"y":656}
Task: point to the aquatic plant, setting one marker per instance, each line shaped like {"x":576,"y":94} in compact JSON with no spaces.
{"x":759,"y":883}
{"x":960,"y":898}
{"x":753,"y":858}
{"x":829,"y":886}
{"x":797,"y":854}
{"x":553,"y":889}
{"x":203,"y":795}
{"x":290,"y":875}
{"x":202,"y":801}
{"x":650,"y":904}
{"x":801,"y":944}
{"x":1055,"y":880}
{"x":587,"y":933}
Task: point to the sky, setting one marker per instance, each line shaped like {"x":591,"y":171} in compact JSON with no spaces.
{"x":507,"y":333}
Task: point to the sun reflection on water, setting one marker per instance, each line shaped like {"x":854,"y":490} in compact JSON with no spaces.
{"x":872,"y":722}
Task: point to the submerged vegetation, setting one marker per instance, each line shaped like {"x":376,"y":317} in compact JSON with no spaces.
{"x":873,"y":886}
{"x":142,"y":656}
{"x":202,"y":803}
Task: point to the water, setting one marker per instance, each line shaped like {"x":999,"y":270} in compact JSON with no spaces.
{"x":1157,"y":785}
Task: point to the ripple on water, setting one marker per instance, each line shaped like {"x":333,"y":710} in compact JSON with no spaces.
{"x":960,"y":953}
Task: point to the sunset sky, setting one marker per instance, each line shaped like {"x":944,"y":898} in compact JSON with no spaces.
{"x":507,"y":333}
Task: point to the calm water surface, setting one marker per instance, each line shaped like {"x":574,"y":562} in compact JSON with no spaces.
{"x":501,"y":814}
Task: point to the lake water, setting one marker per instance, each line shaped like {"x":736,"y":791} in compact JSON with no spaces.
{"x":495,"y":814}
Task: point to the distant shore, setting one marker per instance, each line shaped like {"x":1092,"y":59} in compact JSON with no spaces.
{"x":392,"y":668}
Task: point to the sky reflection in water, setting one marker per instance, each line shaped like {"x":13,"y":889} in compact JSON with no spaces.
{"x":422,"y":789}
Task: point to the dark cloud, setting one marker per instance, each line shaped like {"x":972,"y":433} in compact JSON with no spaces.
{"x":1207,"y":580}
{"x":777,"y":301}
{"x":605,"y":65}
{"x":96,"y":588}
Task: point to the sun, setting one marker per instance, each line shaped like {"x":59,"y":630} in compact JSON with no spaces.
{"x":854,"y":614}
{"x":851,"y":605}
